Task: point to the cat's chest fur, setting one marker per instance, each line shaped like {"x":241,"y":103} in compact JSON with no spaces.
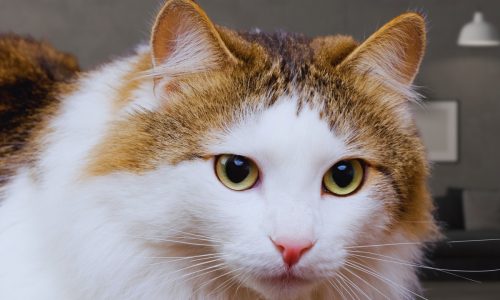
{"x":213,"y":164}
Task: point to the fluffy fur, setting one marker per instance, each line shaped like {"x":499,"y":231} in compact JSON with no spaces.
{"x":119,"y":199}
{"x":31,"y":76}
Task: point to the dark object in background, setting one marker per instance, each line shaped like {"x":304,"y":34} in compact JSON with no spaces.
{"x":449,"y":210}
{"x":474,"y":255}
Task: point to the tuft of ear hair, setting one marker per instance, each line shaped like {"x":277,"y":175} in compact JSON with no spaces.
{"x":392,"y":55}
{"x":185,"y":41}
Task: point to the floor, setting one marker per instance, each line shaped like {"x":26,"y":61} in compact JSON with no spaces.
{"x":459,"y":290}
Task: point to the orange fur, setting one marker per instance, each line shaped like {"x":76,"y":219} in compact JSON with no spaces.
{"x":132,"y":80}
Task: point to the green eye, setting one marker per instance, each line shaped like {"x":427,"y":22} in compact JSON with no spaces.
{"x":344,"y":178}
{"x":236,"y":172}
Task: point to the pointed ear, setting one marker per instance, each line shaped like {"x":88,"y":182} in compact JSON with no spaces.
{"x":392,"y":55}
{"x":185,"y":41}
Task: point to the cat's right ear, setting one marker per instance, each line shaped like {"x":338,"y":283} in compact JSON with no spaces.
{"x":184,"y":41}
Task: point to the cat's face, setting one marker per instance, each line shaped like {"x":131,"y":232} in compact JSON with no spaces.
{"x":289,"y":206}
{"x":267,"y":158}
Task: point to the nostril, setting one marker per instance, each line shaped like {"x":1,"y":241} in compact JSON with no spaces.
{"x":292,"y":250}
{"x":306,"y":248}
{"x":280,"y":248}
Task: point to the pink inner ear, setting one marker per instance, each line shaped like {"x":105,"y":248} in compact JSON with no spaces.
{"x":183,"y":19}
{"x":165,"y":31}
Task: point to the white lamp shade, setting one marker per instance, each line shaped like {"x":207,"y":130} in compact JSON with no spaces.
{"x":478,"y":33}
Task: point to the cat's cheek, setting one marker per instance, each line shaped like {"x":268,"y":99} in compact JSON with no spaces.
{"x":347,"y":220}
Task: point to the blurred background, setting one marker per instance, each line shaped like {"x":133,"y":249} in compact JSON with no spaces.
{"x":461,"y":84}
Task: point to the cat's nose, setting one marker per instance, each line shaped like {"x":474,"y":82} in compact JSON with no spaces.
{"x":292,"y":250}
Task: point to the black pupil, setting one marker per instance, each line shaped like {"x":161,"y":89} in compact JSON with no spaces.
{"x":343,"y":173}
{"x":237,"y":168}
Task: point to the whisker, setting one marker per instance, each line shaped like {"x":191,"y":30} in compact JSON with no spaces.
{"x":419,"y":243}
{"x":406,"y":263}
{"x":196,"y":239}
{"x":473,"y":241}
{"x":373,"y":272}
{"x":181,"y":257}
{"x":194,"y":266}
{"x":227,"y":286}
{"x":356,"y":286}
{"x":384,"y":245}
{"x":246,"y":275}
{"x":199,"y":236}
{"x":193,"y":260}
{"x":343,"y":285}
{"x":209,"y":281}
{"x":431,"y":268}
{"x":336,"y":288}
{"x":201,"y":272}
{"x":225,"y":282}
{"x":156,"y":239}
{"x":349,"y":285}
{"x":344,"y":278}
{"x":220,"y":266}
{"x":369,"y":271}
{"x":198,"y":273}
{"x":367,"y":283}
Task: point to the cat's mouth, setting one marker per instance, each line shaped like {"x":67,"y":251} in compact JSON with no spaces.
{"x":285,"y":279}
{"x":284,"y":284}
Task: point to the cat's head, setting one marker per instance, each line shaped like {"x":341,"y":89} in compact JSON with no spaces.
{"x":266,"y":157}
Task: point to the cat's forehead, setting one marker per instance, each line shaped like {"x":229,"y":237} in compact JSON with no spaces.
{"x":284,"y":133}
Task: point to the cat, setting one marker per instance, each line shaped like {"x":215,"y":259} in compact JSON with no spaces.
{"x":215,"y":164}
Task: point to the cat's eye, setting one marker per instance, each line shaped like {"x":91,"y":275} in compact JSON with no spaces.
{"x":345,"y":177}
{"x":236,"y":172}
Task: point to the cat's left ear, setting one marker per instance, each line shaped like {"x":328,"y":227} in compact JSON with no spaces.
{"x":185,"y":41}
{"x":392,"y":55}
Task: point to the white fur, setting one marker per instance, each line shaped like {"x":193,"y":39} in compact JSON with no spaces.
{"x":64,"y":237}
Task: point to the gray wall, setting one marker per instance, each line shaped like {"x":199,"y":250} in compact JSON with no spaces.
{"x":96,"y":30}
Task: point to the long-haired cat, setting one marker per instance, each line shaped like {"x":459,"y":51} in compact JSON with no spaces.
{"x":215,"y":164}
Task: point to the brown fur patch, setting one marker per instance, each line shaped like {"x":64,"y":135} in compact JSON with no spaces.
{"x":132,"y":80}
{"x":29,"y":74}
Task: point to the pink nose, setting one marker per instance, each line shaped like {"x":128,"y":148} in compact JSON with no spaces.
{"x":292,"y":250}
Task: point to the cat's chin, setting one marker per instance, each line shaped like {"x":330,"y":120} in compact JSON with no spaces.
{"x":285,"y":286}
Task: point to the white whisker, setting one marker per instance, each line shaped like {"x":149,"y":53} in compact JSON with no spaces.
{"x":216,"y":267}
{"x":195,"y":265}
{"x":369,"y":271}
{"x":420,"y":243}
{"x":348,"y":285}
{"x":336,"y":287}
{"x":199,"y":236}
{"x":473,"y":241}
{"x":223,"y":283}
{"x":156,"y":239}
{"x":367,"y":283}
{"x":431,"y":268}
{"x":356,"y":286}
{"x":181,"y":257}
{"x":406,"y":263}
{"x":246,"y":275}
{"x":217,"y":257}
